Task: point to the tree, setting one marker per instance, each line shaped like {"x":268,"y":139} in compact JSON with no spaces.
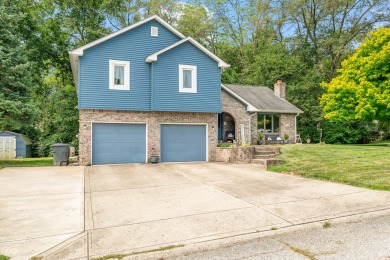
{"x":331,"y":28}
{"x":58,"y":121}
{"x":195,"y":21}
{"x":15,"y":76}
{"x":362,"y":89}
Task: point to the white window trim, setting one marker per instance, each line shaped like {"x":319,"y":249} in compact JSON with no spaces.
{"x":126,"y":85}
{"x":151,"y":31}
{"x":194,"y":76}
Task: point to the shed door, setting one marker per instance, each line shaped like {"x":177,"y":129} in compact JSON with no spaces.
{"x":118,"y":143}
{"x":183,"y":143}
{"x":7,"y":147}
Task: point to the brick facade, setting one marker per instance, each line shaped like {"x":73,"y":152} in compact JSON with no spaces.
{"x":287,"y":126}
{"x":153,"y":121}
{"x":238,"y":110}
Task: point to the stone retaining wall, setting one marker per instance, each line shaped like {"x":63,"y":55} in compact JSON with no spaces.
{"x":234,"y":154}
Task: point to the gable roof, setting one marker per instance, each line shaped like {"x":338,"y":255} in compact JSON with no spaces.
{"x":153,"y":57}
{"x":24,"y":138}
{"x":261,"y":99}
{"x":74,"y":54}
{"x":79,"y":51}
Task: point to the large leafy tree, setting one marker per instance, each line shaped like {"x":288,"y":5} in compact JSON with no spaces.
{"x":15,"y":76}
{"x":361,"y":91}
{"x":332,"y":28}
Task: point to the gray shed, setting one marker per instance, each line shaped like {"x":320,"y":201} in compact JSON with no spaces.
{"x":14,"y":145}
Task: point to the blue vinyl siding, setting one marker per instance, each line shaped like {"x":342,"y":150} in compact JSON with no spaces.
{"x":166,"y":81}
{"x":118,"y":143}
{"x":183,"y":143}
{"x":22,"y":150}
{"x":134,"y":46}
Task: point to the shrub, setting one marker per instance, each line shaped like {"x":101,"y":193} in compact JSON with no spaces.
{"x":349,"y":133}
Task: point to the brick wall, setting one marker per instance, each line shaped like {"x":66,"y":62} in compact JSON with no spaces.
{"x":153,"y":121}
{"x":238,"y":110}
{"x":287,"y":126}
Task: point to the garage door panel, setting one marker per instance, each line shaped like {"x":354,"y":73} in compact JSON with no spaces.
{"x":118,"y":143}
{"x":183,"y":143}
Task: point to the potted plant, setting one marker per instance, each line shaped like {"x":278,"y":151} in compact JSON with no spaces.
{"x":153,"y":158}
{"x":260,"y":137}
{"x":308,"y":140}
{"x":286,"y":136}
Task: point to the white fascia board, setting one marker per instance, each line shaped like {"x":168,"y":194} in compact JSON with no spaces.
{"x":249,"y":106}
{"x":277,"y":112}
{"x":80,"y":51}
{"x":153,"y":57}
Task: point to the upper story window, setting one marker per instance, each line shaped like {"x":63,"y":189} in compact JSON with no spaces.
{"x":154,"y":31}
{"x":268,"y":123}
{"x":187,"y":79}
{"x":119,"y":75}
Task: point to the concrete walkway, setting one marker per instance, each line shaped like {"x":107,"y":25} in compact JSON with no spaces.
{"x":133,"y":208}
{"x":39,"y":208}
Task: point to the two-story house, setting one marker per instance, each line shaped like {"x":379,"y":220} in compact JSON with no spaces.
{"x":146,"y":90}
{"x":149,"y":90}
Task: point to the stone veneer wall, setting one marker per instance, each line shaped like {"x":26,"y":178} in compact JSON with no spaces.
{"x":254,"y":132}
{"x":287,"y":126}
{"x":153,"y":121}
{"x":238,"y":110}
{"x":234,"y":154}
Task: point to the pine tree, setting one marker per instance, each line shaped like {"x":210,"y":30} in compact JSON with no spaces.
{"x":15,"y":76}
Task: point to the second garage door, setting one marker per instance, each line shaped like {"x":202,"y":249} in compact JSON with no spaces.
{"x":183,"y":143}
{"x":118,"y":143}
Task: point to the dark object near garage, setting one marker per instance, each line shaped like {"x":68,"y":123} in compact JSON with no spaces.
{"x":60,"y":154}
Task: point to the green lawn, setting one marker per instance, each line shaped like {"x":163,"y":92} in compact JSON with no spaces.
{"x":359,"y":165}
{"x":27,"y":162}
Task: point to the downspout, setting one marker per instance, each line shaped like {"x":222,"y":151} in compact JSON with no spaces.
{"x":151,"y":87}
{"x":295,"y":128}
{"x":250,"y":125}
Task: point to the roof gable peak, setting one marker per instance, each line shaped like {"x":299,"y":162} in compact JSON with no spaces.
{"x":154,"y":57}
{"x":80,"y":51}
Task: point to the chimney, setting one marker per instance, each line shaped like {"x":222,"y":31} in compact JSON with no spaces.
{"x":280,"y":89}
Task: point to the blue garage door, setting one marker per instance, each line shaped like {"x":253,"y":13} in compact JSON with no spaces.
{"x":118,"y":143}
{"x":183,"y":143}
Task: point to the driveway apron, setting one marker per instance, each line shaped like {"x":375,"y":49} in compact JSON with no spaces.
{"x":133,"y":208}
{"x":40,"y":207}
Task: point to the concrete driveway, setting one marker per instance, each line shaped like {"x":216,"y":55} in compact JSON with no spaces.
{"x":40,"y":207}
{"x":132,"y":208}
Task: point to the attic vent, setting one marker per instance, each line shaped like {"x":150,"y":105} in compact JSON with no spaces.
{"x":154,"y":31}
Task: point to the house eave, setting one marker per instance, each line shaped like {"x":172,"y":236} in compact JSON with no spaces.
{"x":249,"y":106}
{"x":279,"y":112}
{"x":154,"y":57}
{"x":80,"y":51}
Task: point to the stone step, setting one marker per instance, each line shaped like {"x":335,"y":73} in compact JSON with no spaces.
{"x":265,"y":152}
{"x":274,"y":162}
{"x":264,"y":149}
{"x":263,"y":156}
{"x":259,"y":161}
{"x":267,"y":162}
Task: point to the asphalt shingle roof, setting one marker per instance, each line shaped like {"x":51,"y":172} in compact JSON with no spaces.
{"x":263,"y":99}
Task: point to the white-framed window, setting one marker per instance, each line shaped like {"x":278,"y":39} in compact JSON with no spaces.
{"x":119,"y":75}
{"x":154,"y":31}
{"x":268,"y":123}
{"x":187,"y":79}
